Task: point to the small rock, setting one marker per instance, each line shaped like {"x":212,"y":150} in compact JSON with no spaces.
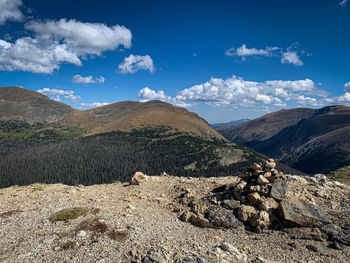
{"x":231,"y":204}
{"x":256,"y":166}
{"x":199,"y":221}
{"x":246,"y":212}
{"x":71,"y":191}
{"x":81,"y":233}
{"x":253,"y":198}
{"x":262,"y":180}
{"x":240,"y":186}
{"x":138,"y":178}
{"x":312,"y":248}
{"x":48,"y":240}
{"x":268,"y":204}
{"x":321,"y":178}
{"x":185,"y":216}
{"x":234,"y":252}
{"x":270,"y":165}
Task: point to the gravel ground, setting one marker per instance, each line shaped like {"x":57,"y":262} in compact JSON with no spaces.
{"x":139,"y":223}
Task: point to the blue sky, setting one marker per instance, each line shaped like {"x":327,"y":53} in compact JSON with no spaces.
{"x":224,"y":60}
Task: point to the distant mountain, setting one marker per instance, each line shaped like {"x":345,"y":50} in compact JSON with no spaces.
{"x":30,"y":106}
{"x":45,"y":141}
{"x":266,"y":126}
{"x":313,"y":141}
{"x":128,"y":115}
{"x":229,"y":124}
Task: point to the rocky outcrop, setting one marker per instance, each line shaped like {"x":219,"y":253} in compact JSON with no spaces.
{"x":260,"y":199}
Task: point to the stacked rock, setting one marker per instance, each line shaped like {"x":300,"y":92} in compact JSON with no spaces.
{"x":259,"y":192}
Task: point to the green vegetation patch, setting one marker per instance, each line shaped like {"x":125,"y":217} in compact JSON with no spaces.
{"x":69,"y":214}
{"x":37,"y":132}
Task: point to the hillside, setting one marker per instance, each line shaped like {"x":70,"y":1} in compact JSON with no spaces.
{"x":128,"y":115}
{"x":49,"y":153}
{"x":145,"y":223}
{"x":30,"y":106}
{"x":265,"y":127}
{"x":319,"y":143}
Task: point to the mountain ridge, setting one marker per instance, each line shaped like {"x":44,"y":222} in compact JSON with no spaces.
{"x":318,"y":143}
{"x":17,"y":103}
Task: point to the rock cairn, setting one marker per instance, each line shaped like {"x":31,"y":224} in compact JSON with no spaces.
{"x":260,"y":199}
{"x":257,"y":195}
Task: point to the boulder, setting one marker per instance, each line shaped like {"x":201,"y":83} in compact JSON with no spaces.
{"x":279,"y":189}
{"x":138,"y":178}
{"x":301,"y":212}
{"x":223,"y":218}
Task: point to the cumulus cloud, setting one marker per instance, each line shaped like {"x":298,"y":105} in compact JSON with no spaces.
{"x":238,"y":91}
{"x":58,"y":94}
{"x":57,"y":42}
{"x":347,"y":86}
{"x":10,"y":11}
{"x":342,"y":3}
{"x":291,"y":57}
{"x":147,"y":94}
{"x":87,"y":80}
{"x":83,"y":38}
{"x":134,"y":63}
{"x":94,"y":104}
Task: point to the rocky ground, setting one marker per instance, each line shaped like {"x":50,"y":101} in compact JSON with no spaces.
{"x":171,"y":219}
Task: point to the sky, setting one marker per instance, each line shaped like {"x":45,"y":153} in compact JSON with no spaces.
{"x":224,"y":60}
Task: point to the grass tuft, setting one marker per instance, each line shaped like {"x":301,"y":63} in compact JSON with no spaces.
{"x":69,"y":214}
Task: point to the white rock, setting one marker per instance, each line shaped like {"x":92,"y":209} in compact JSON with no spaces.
{"x":48,"y":240}
{"x":81,"y":233}
{"x":71,"y":191}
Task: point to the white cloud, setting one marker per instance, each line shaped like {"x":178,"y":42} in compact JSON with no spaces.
{"x":57,"y":94}
{"x":147,"y":94}
{"x":83,"y":38}
{"x":37,"y":55}
{"x":291,"y":57}
{"x":87,"y":80}
{"x":243,"y":51}
{"x":58,"y":42}
{"x":237,"y":91}
{"x":342,"y":3}
{"x":347,"y":87}
{"x":134,"y":63}
{"x":10,"y":11}
{"x":94,"y":104}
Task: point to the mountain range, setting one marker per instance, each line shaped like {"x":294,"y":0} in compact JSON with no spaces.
{"x":310,"y":140}
{"x":42,"y":140}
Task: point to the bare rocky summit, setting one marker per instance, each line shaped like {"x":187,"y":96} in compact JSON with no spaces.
{"x":172,"y":219}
